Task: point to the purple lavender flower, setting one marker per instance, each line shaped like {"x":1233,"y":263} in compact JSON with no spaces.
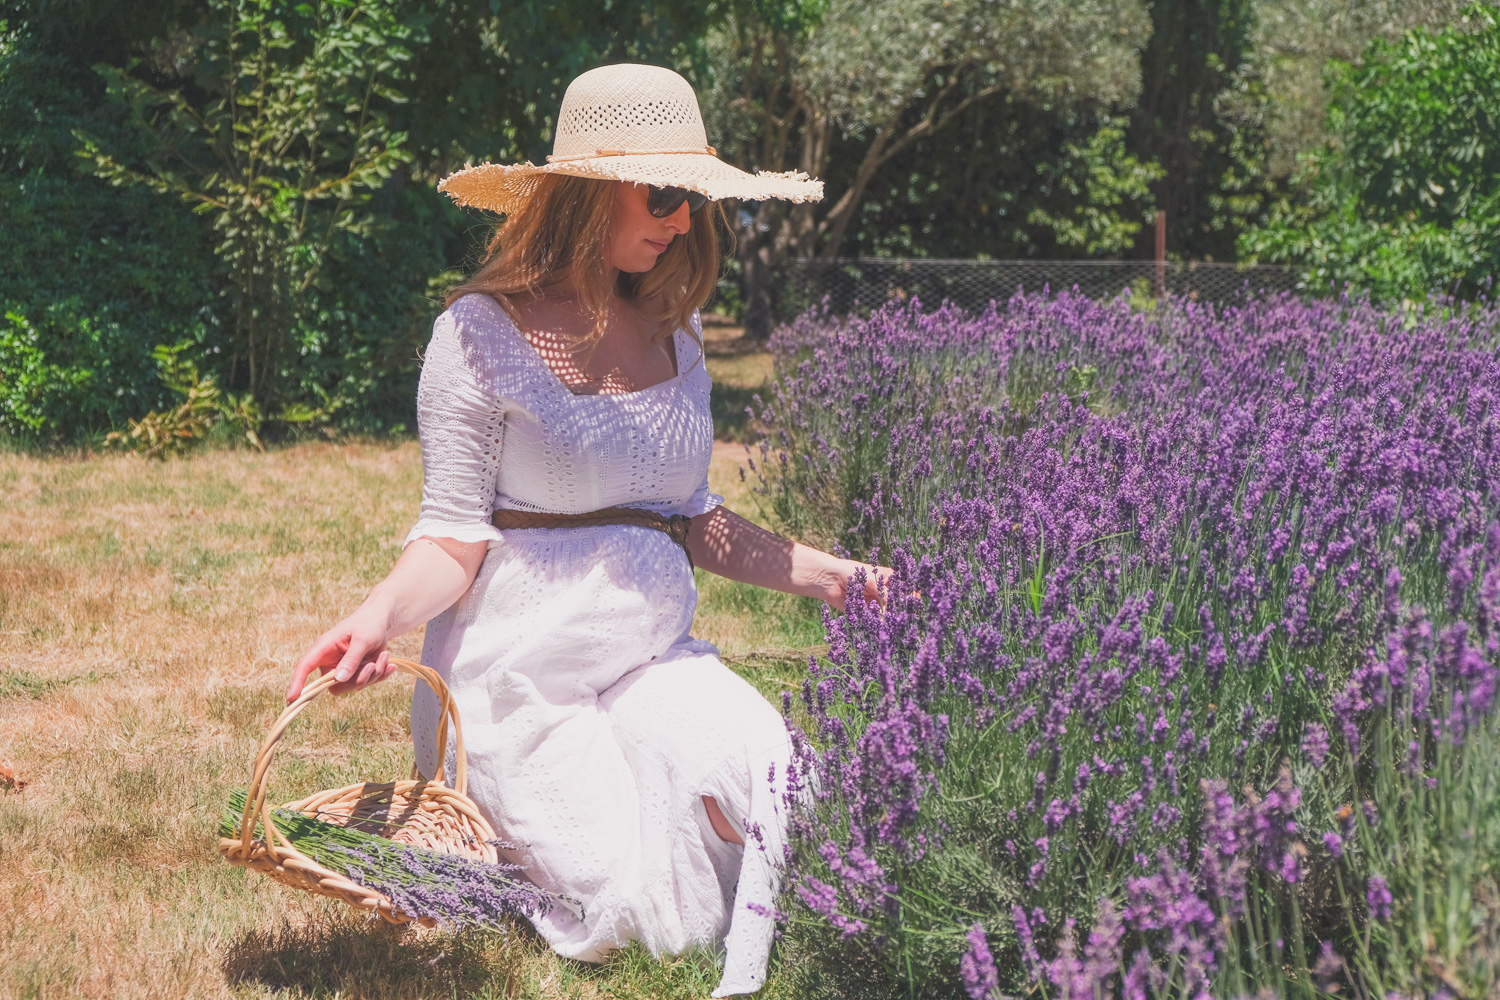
{"x":1328,"y":969}
{"x":977,"y":967}
{"x":1378,"y":898}
{"x":1024,"y":935}
{"x":1149,"y":578}
{"x":1334,"y":843}
{"x":1315,"y":743}
{"x":452,"y":890}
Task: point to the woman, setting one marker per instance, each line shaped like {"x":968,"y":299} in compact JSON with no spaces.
{"x":637,"y":773}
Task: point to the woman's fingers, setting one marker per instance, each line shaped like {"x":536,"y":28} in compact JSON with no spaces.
{"x":373,"y":671}
{"x":353,"y":651}
{"x":349,"y":666}
{"x":349,"y":663}
{"x":372,"y":665}
{"x":322,"y":653}
{"x":366,"y":674}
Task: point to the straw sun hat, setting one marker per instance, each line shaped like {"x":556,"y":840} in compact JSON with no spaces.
{"x":628,"y":123}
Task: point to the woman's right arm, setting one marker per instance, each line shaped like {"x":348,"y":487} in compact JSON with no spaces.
{"x":431,"y":574}
{"x":460,"y":415}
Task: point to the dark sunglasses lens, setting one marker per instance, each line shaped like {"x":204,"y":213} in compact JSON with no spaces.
{"x":663,"y":201}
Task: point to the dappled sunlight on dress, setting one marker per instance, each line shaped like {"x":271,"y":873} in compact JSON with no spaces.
{"x":593,"y":721}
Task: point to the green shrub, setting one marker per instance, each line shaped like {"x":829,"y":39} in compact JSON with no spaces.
{"x":99,"y":274}
{"x":1406,"y":198}
{"x":33,"y":391}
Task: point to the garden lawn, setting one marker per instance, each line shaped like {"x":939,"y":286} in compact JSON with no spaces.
{"x":150,"y":613}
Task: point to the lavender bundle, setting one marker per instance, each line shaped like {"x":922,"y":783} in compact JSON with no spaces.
{"x":454,"y":891}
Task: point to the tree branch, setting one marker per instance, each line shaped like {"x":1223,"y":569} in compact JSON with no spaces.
{"x":883,"y":148}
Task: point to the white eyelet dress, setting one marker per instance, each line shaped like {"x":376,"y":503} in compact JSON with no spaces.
{"x":593,"y":722}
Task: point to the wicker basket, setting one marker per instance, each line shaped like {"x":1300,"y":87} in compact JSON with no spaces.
{"x":423,"y":813}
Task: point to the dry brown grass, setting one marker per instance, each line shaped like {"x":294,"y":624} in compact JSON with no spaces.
{"x":149,"y":614}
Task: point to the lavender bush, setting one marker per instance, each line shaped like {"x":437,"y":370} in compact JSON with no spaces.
{"x":1186,"y":683}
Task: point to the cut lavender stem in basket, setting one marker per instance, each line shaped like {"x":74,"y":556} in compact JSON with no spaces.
{"x":452,"y":890}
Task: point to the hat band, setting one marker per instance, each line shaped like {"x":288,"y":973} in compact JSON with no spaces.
{"x":701,"y":150}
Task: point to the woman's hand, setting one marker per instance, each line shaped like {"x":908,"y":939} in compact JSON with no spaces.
{"x":354,"y":651}
{"x":431,"y":574}
{"x":840,"y":575}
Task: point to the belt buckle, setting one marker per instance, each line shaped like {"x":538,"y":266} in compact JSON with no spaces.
{"x":677,"y":527}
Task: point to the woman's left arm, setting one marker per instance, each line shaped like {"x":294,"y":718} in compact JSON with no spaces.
{"x":722,"y":542}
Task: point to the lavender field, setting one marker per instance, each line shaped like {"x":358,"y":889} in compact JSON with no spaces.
{"x":1186,"y":685}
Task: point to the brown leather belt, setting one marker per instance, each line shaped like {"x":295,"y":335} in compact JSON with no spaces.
{"x":675,"y":526}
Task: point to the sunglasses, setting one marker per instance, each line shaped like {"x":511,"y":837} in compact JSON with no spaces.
{"x":663,"y":201}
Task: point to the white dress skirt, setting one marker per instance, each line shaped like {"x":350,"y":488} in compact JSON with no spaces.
{"x":593,"y":722}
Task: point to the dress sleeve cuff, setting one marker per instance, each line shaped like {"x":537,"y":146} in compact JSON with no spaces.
{"x":700,"y":502}
{"x":461,"y":531}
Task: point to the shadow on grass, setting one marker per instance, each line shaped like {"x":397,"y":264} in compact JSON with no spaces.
{"x":731,"y":423}
{"x":341,"y":957}
{"x":334,"y":956}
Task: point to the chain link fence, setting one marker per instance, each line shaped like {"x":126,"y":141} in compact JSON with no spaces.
{"x":859,"y":284}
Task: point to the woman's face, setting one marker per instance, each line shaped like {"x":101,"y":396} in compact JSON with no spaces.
{"x":638,"y":238}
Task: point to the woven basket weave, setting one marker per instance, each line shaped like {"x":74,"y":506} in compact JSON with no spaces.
{"x":421,"y":813}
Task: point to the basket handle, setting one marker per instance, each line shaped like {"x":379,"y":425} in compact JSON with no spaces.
{"x":255,"y":800}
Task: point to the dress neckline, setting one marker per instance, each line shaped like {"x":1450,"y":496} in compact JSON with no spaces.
{"x":537,"y":356}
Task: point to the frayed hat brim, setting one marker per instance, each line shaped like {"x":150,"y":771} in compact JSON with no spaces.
{"x":501,"y":188}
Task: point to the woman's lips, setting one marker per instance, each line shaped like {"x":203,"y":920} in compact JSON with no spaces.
{"x":660,"y":246}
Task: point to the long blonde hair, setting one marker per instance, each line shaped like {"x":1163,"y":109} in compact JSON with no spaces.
{"x":564,"y":226}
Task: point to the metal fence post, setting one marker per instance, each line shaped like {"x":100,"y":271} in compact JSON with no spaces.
{"x":1161,"y":253}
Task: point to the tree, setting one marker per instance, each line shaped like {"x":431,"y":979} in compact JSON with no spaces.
{"x":1281,"y":85}
{"x":333,"y":246}
{"x":1212,"y":165}
{"x":793,"y":79}
{"x":1405,"y":199}
{"x":285,"y":151}
{"x":90,"y":276}
{"x":1016,"y":178}
{"x":488,"y":83}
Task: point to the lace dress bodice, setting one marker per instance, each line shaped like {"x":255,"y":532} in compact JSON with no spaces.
{"x":501,"y":431}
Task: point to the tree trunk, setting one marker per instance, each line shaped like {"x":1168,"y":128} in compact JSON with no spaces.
{"x":755,"y":280}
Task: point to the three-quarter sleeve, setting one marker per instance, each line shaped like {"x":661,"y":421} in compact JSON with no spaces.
{"x":461,"y":422}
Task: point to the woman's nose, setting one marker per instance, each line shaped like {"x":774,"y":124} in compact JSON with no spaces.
{"x":679,"y":221}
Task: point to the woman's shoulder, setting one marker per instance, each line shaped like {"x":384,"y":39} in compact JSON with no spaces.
{"x":477,"y":311}
{"x":479,"y":331}
{"x":690,"y":337}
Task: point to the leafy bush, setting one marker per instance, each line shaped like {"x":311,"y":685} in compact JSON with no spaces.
{"x":100,"y":275}
{"x":1186,"y":683}
{"x":1407,"y":198}
{"x":203,"y":410}
{"x":283,"y":154}
{"x":316,"y":257}
{"x":35,"y":392}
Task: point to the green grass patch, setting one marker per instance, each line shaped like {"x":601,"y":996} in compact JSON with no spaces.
{"x":736,"y":381}
{"x":26,"y":684}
